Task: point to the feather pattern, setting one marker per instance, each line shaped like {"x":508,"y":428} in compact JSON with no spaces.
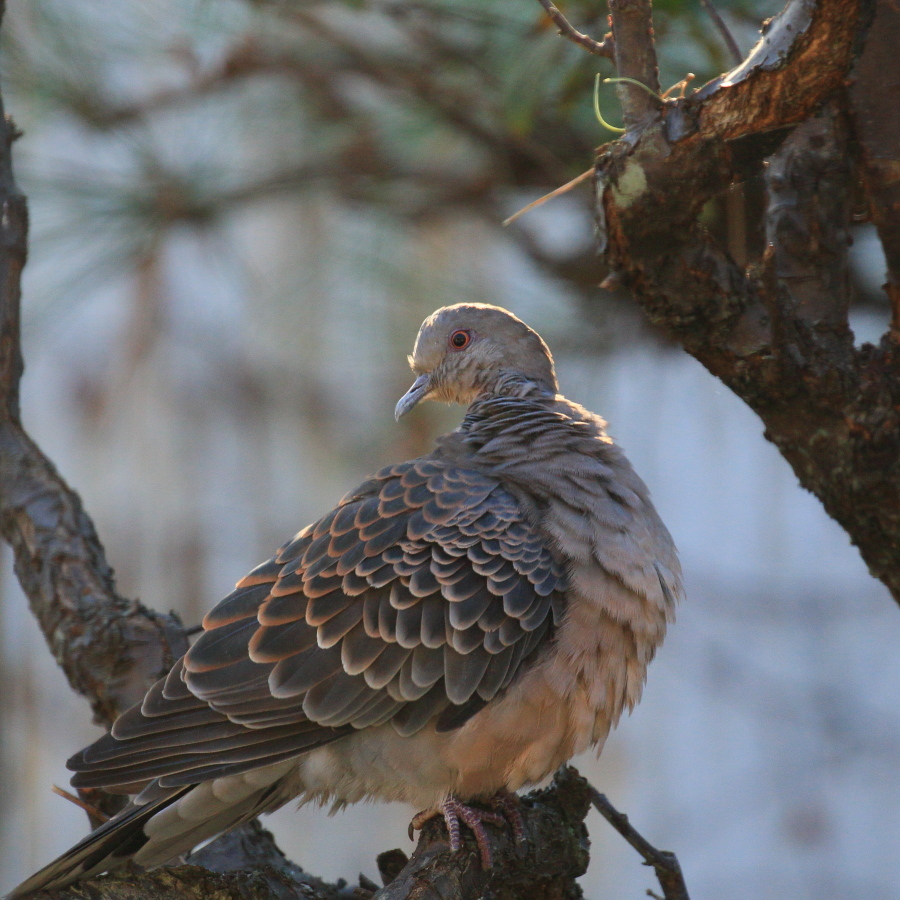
{"x":293,"y":647}
{"x":522,"y":551}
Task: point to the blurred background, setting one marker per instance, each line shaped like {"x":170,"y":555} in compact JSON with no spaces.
{"x":241,"y":211}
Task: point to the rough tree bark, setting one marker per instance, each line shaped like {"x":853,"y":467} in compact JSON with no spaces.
{"x":777,"y":334}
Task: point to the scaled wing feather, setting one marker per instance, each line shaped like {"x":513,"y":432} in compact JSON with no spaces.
{"x":405,"y":604}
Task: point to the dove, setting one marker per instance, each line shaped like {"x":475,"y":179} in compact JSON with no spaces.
{"x":455,"y":629}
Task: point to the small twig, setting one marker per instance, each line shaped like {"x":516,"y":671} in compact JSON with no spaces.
{"x":680,"y":86}
{"x":727,"y":36}
{"x":566,"y":29}
{"x":664,"y":863}
{"x":542,"y":200}
{"x":90,"y":810}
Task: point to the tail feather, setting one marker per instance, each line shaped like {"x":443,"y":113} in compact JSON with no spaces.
{"x":162,"y":823}
{"x":103,"y":850}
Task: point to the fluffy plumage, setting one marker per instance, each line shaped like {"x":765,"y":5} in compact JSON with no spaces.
{"x":459,"y":624}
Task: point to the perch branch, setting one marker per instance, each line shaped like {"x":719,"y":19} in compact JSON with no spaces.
{"x":544,"y":868}
{"x":554,"y":854}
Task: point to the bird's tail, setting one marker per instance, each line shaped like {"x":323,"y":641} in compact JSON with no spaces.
{"x":157,"y":826}
{"x":108,"y":847}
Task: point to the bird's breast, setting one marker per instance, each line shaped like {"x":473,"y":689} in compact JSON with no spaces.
{"x":563,"y":704}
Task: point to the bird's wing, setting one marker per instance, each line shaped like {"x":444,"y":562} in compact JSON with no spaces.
{"x":417,"y":599}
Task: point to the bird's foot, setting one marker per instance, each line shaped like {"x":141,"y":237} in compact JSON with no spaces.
{"x":509,"y":805}
{"x":456,"y":812}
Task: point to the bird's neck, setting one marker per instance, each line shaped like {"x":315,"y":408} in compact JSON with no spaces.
{"x":510,"y":383}
{"x":502,"y":421}
{"x":502,"y":431}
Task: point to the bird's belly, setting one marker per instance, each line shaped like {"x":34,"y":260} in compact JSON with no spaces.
{"x":522,"y":739}
{"x":516,"y":741}
{"x":559,"y":707}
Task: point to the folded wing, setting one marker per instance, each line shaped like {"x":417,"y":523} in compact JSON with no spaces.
{"x":415,"y":601}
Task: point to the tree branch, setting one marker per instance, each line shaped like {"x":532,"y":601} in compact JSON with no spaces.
{"x":554,"y":854}
{"x":875,"y":97}
{"x":808,"y":185}
{"x":777,"y":336}
{"x":632,"y":28}
{"x":665,"y":864}
{"x":546,"y":867}
{"x":735,"y":51}
{"x":566,"y":29}
{"x":110,"y":648}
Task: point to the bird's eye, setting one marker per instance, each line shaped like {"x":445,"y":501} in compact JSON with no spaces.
{"x":460,"y":339}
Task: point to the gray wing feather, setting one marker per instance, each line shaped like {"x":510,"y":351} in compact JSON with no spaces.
{"x":414,"y":601}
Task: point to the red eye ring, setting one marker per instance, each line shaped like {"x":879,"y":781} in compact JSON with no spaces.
{"x":459,"y":340}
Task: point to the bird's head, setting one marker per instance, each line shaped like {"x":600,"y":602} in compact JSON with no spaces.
{"x":466,"y":349}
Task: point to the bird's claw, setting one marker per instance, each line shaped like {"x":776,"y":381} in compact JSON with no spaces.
{"x":510,"y":807}
{"x":456,"y":812}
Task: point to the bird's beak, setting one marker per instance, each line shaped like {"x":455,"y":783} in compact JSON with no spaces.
{"x":416,"y":393}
